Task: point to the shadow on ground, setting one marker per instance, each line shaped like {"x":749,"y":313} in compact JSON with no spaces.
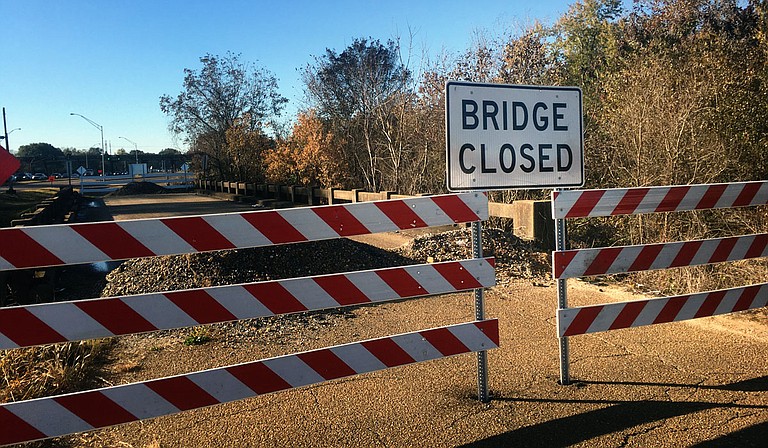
{"x":622,"y":415}
{"x":759,"y":384}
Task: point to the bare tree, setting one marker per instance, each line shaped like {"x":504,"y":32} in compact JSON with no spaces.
{"x":224,"y":91}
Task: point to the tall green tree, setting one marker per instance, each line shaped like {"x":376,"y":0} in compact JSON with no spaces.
{"x":36,"y":154}
{"x":687,"y":101}
{"x":40,"y":151}
{"x":170,"y":152}
{"x":586,"y":41}
{"x":216,"y":97}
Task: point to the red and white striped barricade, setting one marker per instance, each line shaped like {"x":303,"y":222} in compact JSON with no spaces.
{"x":46,"y":246}
{"x":631,"y":201}
{"x":647,"y":257}
{"x":611,"y":260}
{"x":637,"y":313}
{"x":84,"y":411}
{"x":49,"y":323}
{"x":56,"y":245}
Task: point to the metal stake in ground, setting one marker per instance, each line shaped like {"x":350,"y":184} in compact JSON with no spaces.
{"x":562,"y":298}
{"x":482,"y":356}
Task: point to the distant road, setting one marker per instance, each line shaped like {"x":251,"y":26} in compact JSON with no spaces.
{"x":162,"y":205}
{"x":36,"y":184}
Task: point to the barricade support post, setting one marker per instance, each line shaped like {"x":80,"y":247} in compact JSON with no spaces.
{"x":482,"y":356}
{"x":562,"y":300}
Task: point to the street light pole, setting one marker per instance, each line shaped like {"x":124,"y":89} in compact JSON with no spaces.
{"x":135,"y":148}
{"x":7,"y":134}
{"x":101,"y":129}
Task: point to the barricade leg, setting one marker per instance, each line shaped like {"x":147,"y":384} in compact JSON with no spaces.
{"x":482,"y":356}
{"x":562,"y":297}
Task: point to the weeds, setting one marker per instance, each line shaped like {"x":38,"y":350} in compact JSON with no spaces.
{"x":199,"y":336}
{"x":681,"y":226}
{"x":51,"y":369}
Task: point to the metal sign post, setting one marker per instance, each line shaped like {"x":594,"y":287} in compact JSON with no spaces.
{"x":509,"y":137}
{"x":562,"y":300}
{"x":80,"y":173}
{"x":482,"y":356}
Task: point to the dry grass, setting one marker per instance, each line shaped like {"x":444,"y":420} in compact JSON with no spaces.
{"x":684,"y":226}
{"x":693,"y":279}
{"x":35,"y":372}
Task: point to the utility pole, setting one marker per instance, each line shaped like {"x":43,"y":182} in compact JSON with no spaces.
{"x":5,"y":131}
{"x":8,"y":147}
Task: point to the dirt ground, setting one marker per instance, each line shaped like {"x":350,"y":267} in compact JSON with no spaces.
{"x":156,"y":206}
{"x":698,"y":383}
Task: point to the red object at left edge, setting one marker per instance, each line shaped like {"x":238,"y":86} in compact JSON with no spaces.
{"x":8,"y":164}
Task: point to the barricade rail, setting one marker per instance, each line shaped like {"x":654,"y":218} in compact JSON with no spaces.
{"x":638,"y":313}
{"x":611,"y":260}
{"x":84,"y":411}
{"x":532,"y":218}
{"x":632,"y":201}
{"x":57,"y":245}
{"x":646,"y":257}
{"x":49,"y":323}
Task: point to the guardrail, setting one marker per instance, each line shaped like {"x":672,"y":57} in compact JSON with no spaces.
{"x":55,"y":245}
{"x":610,"y":260}
{"x":108,"y":184}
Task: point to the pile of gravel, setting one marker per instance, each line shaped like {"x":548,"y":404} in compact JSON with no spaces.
{"x":199,"y":270}
{"x":134,"y":188}
{"x":515,"y":258}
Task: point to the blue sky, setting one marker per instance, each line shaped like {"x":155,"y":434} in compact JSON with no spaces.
{"x":111,"y":60}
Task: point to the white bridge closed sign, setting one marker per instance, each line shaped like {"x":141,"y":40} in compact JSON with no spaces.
{"x":502,"y":137}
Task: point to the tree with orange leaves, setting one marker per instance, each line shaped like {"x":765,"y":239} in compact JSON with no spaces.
{"x":310,"y":156}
